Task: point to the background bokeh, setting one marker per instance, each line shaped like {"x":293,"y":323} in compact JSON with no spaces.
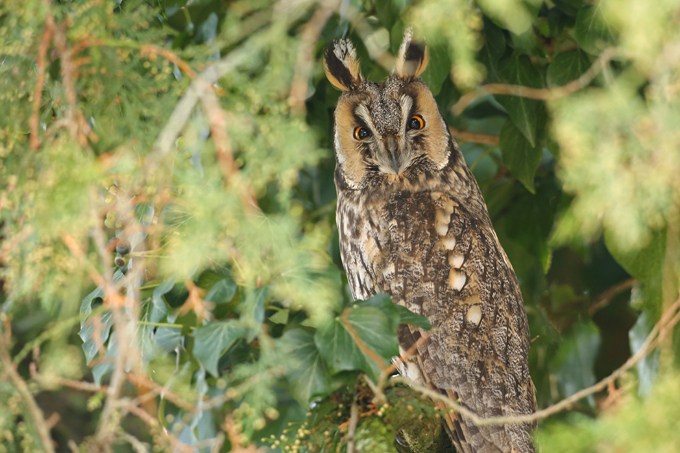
{"x":169,"y":270}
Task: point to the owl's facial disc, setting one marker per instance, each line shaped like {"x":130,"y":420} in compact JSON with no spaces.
{"x":387,"y":129}
{"x":384,"y":133}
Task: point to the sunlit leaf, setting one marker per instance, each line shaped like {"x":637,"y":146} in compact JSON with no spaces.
{"x":593,"y":32}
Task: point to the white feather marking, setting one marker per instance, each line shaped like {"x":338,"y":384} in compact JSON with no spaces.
{"x":456,"y":260}
{"x":474,"y":315}
{"x":457,"y":279}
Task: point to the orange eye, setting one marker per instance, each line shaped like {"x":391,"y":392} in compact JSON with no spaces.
{"x":416,"y":122}
{"x":361,"y":133}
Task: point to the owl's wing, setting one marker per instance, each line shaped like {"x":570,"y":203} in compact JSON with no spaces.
{"x":449,"y":266}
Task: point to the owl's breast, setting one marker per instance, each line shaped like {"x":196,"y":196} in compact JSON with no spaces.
{"x":410,"y":245}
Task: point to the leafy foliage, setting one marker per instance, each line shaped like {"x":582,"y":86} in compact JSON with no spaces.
{"x":168,"y":250}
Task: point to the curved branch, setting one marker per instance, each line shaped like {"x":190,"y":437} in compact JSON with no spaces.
{"x":541,"y":94}
{"x":303,"y":65}
{"x":475,"y":137}
{"x":38,"y":419}
{"x":662,"y":328}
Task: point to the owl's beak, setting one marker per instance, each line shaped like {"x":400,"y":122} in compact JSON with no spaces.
{"x":391,"y":145}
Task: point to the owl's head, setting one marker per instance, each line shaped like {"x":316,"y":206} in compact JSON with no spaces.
{"x":387,"y":131}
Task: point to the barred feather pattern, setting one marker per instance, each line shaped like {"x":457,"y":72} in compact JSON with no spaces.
{"x":426,"y":239}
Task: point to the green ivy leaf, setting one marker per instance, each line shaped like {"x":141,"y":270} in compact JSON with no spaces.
{"x":388,"y":11}
{"x":439,"y":67}
{"x":648,"y":367}
{"x":574,"y":362}
{"x":383,"y":302}
{"x":375,"y":330}
{"x":406,"y":316}
{"x":309,"y":376}
{"x":159,"y":307}
{"x":592,"y":31}
{"x":252,"y":309}
{"x":493,"y":50}
{"x":222,"y":292}
{"x":212,"y":340}
{"x":567,"y":66}
{"x":87,"y":326}
{"x":645,"y":264}
{"x":338,"y":348}
{"x":523,"y":112}
{"x":519,"y":155}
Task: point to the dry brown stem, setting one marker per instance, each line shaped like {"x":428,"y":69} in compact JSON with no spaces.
{"x":10,"y":371}
{"x":157,"y":389}
{"x":542,"y":94}
{"x":474,"y":137}
{"x":609,"y":294}
{"x":353,"y":420}
{"x":662,"y":328}
{"x":39,"y":82}
{"x":305,"y":58}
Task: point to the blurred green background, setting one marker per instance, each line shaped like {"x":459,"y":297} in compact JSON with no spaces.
{"x":170,"y":278}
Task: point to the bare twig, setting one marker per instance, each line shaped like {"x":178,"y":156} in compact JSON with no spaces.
{"x":475,"y":137}
{"x":152,"y":422}
{"x":358,"y":20}
{"x":217,"y":119}
{"x":665,"y":325}
{"x":609,"y":294}
{"x":157,"y":389}
{"x":219,"y":441}
{"x":74,"y":118}
{"x":403,"y":358}
{"x":52,"y":420}
{"x":542,"y":94}
{"x":166,"y":139}
{"x":353,"y":420}
{"x":39,"y":422}
{"x":39,"y":82}
{"x":303,"y":65}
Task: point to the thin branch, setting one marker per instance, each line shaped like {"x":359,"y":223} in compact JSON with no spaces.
{"x":353,"y":420}
{"x":542,"y":94}
{"x":39,"y":422}
{"x":475,"y":137}
{"x":74,"y":118}
{"x":358,"y":20}
{"x":39,"y":82}
{"x":157,"y":389}
{"x":305,"y":58}
{"x":219,"y":441}
{"x":151,"y":422}
{"x":609,"y":294}
{"x":217,"y":120}
{"x":403,"y":358}
{"x":662,"y":328}
{"x":179,"y":117}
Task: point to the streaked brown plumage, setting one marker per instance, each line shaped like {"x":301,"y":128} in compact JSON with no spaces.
{"x":413,"y":224}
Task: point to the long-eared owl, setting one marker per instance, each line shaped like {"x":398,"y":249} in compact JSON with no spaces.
{"x":413,"y":224}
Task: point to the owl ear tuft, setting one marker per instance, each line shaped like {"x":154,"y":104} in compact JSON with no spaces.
{"x":342,"y":66}
{"x":413,"y":58}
